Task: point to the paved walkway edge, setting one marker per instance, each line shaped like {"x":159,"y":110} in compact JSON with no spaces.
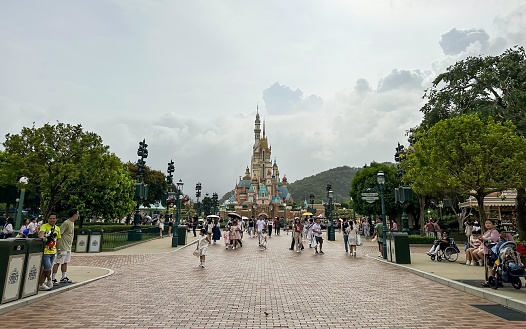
{"x":479,"y":292}
{"x":39,"y":296}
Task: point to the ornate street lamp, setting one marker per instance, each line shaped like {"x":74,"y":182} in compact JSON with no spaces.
{"x":198,"y":195}
{"x":311,"y":197}
{"x":330,"y":229}
{"x":18,"y":221}
{"x":380,"y":178}
{"x":215,"y":202}
{"x":179,"y":195}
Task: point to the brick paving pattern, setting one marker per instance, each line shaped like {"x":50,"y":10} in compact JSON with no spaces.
{"x":251,"y":288}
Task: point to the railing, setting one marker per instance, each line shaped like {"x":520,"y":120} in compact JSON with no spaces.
{"x":119,"y":239}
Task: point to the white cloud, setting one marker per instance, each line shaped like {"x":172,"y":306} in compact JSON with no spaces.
{"x":187,"y":77}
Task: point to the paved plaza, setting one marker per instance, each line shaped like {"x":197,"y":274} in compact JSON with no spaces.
{"x":153,"y":286}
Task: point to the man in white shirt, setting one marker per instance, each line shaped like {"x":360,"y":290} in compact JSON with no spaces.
{"x":316,"y":230}
{"x":32,"y":227}
{"x":260,"y":224}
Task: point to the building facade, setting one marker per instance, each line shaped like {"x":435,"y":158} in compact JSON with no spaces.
{"x":261,"y":190}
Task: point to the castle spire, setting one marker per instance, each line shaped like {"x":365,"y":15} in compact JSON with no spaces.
{"x":257,"y":129}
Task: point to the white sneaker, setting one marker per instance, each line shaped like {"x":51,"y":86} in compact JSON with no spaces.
{"x":468,"y":262}
{"x":481,"y":262}
{"x":472,"y":263}
{"x":49,"y":284}
{"x":43,"y":287}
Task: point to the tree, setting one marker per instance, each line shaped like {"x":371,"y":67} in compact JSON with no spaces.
{"x":467,"y":154}
{"x":155,"y":180}
{"x":67,"y":167}
{"x":490,"y":86}
{"x":366,"y":178}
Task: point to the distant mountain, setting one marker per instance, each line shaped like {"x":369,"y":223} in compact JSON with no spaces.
{"x":340,"y":179}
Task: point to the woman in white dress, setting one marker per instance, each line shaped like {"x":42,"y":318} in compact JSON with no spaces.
{"x":202,"y":246}
{"x":352,"y":239}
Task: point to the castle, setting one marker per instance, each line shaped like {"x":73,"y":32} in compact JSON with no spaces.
{"x":260,"y":190}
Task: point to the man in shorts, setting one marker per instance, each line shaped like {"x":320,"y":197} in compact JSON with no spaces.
{"x":378,"y":231}
{"x":50,"y":234}
{"x":260,"y":225}
{"x":63,"y":257}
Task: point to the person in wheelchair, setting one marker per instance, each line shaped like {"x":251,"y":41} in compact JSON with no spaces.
{"x":440,"y":244}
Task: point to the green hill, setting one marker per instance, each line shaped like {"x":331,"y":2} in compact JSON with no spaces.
{"x":340,"y":179}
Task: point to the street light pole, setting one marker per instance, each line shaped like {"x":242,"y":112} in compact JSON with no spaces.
{"x":18,"y":221}
{"x":179,"y":194}
{"x":214,"y":200}
{"x":311,"y":197}
{"x":198,"y":195}
{"x":381,"y":182}
{"x":330,"y":229}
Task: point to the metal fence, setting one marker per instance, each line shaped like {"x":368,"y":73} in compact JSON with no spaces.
{"x":122,"y":238}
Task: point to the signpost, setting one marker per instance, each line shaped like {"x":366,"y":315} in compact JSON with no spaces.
{"x":370,"y":197}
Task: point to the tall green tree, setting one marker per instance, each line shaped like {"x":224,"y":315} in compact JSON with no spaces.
{"x":467,"y":154}
{"x":367,"y":178}
{"x":489,"y":86}
{"x":68,"y":166}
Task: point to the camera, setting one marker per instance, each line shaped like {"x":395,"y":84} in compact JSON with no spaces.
{"x":50,"y":239}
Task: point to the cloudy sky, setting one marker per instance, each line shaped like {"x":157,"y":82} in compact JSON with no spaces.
{"x":337,"y":82}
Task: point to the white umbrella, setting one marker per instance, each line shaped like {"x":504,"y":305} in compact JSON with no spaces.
{"x":233,"y":215}
{"x":244,"y":217}
{"x":212,"y":216}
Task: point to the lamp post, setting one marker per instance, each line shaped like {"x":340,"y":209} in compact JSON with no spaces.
{"x":440,"y":206}
{"x":311,"y":197}
{"x":179,"y":194}
{"x":330,"y":229}
{"x":214,"y":200}
{"x":169,"y":198}
{"x":381,"y":182}
{"x":141,"y":192}
{"x":18,"y":221}
{"x":198,"y":195}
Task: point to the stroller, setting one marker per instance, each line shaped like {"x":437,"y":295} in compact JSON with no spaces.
{"x":506,"y":263}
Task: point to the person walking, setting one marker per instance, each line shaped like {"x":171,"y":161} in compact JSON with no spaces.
{"x":345,"y":225}
{"x":161,"y":226}
{"x":8,"y":228}
{"x":195,"y":221}
{"x":209,"y":229}
{"x":352,"y":232}
{"x":298,"y":230}
{"x":226,"y":237}
{"x":260,"y":225}
{"x":366,"y":228}
{"x":63,"y":258}
{"x":378,"y":236}
{"x":202,"y":246}
{"x":251,"y":227}
{"x":216,"y":230}
{"x":316,"y":230}
{"x":50,"y":234}
{"x":170,"y":225}
{"x":269,"y":227}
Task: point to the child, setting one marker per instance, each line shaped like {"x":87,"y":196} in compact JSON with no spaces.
{"x":202,"y":245}
{"x":226,"y":236}
{"x":263,"y":242}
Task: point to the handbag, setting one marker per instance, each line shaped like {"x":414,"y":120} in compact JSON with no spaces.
{"x":197,"y":253}
{"x":358,"y":240}
{"x":313,"y":243}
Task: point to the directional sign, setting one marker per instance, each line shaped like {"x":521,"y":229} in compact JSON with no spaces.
{"x":369,"y":194}
{"x":370,"y":199}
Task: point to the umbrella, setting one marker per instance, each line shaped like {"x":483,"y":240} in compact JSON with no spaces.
{"x":233,"y":215}
{"x":244,"y":218}
{"x":148,"y":216}
{"x":308,"y":213}
{"x":212,"y":216}
{"x":263,"y":214}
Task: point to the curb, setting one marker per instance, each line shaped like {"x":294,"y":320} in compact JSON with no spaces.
{"x":39,"y":296}
{"x":512,"y":303}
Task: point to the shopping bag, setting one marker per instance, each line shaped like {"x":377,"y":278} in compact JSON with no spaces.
{"x":358,"y":240}
{"x":313,"y":243}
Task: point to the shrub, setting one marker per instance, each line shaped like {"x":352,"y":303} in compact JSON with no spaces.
{"x":421,"y":239}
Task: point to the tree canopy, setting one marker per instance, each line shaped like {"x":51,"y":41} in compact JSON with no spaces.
{"x":68,"y":167}
{"x":469,"y":155}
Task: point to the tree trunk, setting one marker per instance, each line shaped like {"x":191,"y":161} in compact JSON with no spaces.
{"x":520,"y":205}
{"x":482,"y":214}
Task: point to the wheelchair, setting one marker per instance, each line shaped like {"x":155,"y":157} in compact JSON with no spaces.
{"x":450,"y":253}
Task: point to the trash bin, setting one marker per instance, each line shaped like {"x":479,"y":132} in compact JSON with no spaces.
{"x":182,"y":234}
{"x":400,"y":248}
{"x":13,"y":255}
{"x":35,"y":252}
{"x":95,"y":241}
{"x":82,"y":240}
{"x":391,"y":257}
